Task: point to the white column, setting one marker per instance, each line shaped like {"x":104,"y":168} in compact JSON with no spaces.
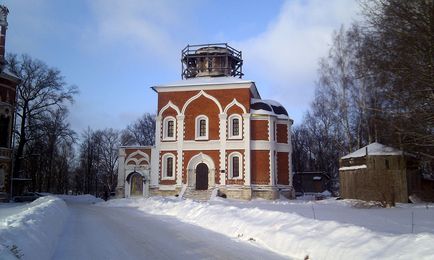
{"x":180,"y":142}
{"x":157,"y":145}
{"x":222,"y":131}
{"x":290,"y":152}
{"x":246,"y":138}
{"x":121,"y":173}
{"x":155,"y":165}
{"x":158,"y":132}
{"x":273,"y":139}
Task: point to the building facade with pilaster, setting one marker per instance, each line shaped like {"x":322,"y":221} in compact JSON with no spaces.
{"x":8,"y":84}
{"x":214,"y":132}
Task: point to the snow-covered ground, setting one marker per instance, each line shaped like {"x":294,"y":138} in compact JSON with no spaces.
{"x":87,"y":198}
{"x":321,"y":230}
{"x":31,"y":230}
{"x":397,"y":220}
{"x":49,"y":228}
{"x":93,"y":232}
{"x":86,"y":228}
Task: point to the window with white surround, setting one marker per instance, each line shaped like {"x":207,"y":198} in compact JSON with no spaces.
{"x":235,"y":165}
{"x":202,"y":127}
{"x":168,"y":167}
{"x":235,"y":128}
{"x":169,"y":128}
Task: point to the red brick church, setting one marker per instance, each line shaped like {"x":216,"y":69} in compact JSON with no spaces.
{"x":214,"y":132}
{"x":8,"y":85}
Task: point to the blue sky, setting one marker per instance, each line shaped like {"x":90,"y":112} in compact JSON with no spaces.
{"x":114,"y":51}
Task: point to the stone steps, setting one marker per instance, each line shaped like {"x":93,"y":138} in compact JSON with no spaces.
{"x":199,"y":195}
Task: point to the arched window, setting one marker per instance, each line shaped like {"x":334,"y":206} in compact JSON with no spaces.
{"x":168,"y":168}
{"x":202,"y":127}
{"x":235,"y":127}
{"x":235,"y":166}
{"x":169,"y":128}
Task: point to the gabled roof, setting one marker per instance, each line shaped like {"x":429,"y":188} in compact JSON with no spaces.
{"x":374,"y":149}
{"x":207,"y":83}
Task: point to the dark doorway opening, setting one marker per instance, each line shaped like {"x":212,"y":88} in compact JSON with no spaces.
{"x":201,"y":176}
{"x":136,"y":185}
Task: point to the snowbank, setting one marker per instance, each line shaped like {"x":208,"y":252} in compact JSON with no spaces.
{"x":86,"y":198}
{"x":33,"y":232}
{"x":288,"y":233}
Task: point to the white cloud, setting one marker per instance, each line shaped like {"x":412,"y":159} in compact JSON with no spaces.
{"x":146,"y":26}
{"x":286,"y":55}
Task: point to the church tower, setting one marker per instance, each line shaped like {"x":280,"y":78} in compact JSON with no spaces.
{"x":211,"y":60}
{"x":8,"y":84}
{"x":4,"y":11}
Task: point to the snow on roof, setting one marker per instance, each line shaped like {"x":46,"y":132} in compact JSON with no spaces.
{"x":374,"y":149}
{"x":268,"y":107}
{"x":6,"y":72}
{"x":207,"y":81}
{"x":272,"y":102}
{"x":351,"y":168}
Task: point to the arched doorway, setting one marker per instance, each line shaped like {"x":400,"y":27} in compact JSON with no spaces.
{"x":136,"y":185}
{"x":201,"y":176}
{"x":192,"y":169}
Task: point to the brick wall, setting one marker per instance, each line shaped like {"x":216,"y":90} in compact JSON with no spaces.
{"x":260,"y":167}
{"x":259,"y":129}
{"x":225,"y":97}
{"x":202,"y":106}
{"x":282,"y":168}
{"x":129,"y":151}
{"x":282,"y":133}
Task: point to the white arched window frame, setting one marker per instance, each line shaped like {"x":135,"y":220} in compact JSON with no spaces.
{"x":169,"y":128}
{"x":202,"y":127}
{"x":233,"y":167}
{"x":168,"y":167}
{"x":234,"y":131}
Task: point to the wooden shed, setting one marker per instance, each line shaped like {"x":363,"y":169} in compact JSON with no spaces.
{"x":374,"y":173}
{"x":311,"y":182}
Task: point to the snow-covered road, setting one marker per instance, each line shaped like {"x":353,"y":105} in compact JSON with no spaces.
{"x":93,"y":232}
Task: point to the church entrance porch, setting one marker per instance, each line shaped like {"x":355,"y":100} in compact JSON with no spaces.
{"x":201,"y":176}
{"x":200,"y":172}
{"x":136,"y":185}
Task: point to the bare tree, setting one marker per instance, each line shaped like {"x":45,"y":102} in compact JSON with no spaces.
{"x":96,"y":172}
{"x":49,"y":152}
{"x":376,"y":84}
{"x":58,"y":134}
{"x":141,"y":132}
{"x":399,"y":54}
{"x":110,"y":143}
{"x":41,"y":89}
